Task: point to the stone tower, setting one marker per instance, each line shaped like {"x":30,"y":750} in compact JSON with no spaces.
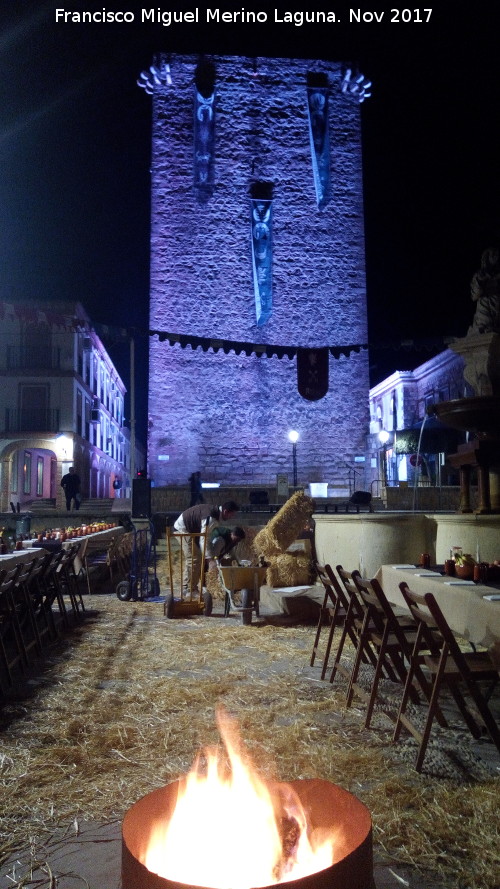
{"x":257,"y":238}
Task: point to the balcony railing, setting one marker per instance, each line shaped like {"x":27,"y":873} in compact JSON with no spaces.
{"x":31,"y":420}
{"x":24,"y":358}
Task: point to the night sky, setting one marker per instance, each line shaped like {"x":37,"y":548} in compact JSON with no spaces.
{"x":75,"y":152}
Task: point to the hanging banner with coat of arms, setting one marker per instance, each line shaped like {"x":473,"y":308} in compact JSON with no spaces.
{"x":317,"y":99}
{"x":262,"y":258}
{"x":312,"y":373}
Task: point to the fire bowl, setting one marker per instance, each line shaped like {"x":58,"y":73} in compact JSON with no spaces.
{"x":327,"y":806}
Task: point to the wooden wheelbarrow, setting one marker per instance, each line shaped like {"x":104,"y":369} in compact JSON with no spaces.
{"x":247,"y":580}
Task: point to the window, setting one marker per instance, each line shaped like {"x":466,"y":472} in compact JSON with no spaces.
{"x":27,"y":473}
{"x":86,"y":431}
{"x":14,"y":472}
{"x":88,"y":360}
{"x":39,"y":476}
{"x":80,"y":356}
{"x":79,"y":414}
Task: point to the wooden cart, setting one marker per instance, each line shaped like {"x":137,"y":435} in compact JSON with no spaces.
{"x":195,"y":601}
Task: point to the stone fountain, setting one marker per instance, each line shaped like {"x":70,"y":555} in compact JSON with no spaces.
{"x":479,"y":414}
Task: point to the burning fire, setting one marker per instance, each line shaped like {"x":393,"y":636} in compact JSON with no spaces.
{"x":232,"y":830}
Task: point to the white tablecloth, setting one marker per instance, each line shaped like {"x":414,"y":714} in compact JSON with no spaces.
{"x":98,"y":542}
{"x":464,"y":606}
{"x":10,"y":560}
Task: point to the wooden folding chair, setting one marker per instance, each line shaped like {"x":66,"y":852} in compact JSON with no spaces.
{"x":67,"y":582}
{"x":38,"y":590}
{"x":448,"y":665}
{"x":106,"y":554}
{"x":25,"y":611}
{"x":53,"y":591}
{"x":352,"y":625}
{"x":11,"y":644}
{"x":392,"y":637}
{"x":334,"y":609}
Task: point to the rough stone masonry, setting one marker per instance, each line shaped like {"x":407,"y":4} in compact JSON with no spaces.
{"x":229,"y":415}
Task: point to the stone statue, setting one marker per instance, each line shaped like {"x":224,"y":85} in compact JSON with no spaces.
{"x":485,"y":292}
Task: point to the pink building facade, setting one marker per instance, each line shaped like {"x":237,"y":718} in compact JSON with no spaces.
{"x":61,"y":405}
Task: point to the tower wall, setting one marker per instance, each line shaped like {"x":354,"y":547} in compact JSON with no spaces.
{"x":229,"y":415}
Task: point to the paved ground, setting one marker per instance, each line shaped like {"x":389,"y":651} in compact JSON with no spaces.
{"x":92,"y":860}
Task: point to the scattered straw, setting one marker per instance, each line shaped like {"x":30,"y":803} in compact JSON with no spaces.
{"x":129,"y":697}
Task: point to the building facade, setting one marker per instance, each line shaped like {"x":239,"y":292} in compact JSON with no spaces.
{"x":257,"y":248}
{"x":398,"y":410}
{"x":61,"y":405}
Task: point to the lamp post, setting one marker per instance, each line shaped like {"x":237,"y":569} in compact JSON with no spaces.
{"x":293,"y":436}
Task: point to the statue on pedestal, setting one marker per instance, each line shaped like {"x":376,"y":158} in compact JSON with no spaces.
{"x":480,"y":348}
{"x":485,"y":292}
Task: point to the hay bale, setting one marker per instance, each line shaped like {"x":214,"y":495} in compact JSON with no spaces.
{"x":289,"y":570}
{"x":285,"y":526}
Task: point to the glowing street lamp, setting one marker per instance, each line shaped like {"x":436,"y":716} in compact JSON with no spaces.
{"x":293,"y":436}
{"x":64,"y":447}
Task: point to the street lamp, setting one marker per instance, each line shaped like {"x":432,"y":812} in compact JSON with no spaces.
{"x":293,"y":436}
{"x":64,"y":448}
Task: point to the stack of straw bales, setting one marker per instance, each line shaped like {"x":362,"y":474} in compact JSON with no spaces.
{"x":272,"y":543}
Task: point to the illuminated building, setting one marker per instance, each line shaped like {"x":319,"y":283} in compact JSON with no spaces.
{"x":257,"y":238}
{"x":61,"y":405}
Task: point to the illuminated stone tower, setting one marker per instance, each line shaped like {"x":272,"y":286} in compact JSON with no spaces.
{"x":257,"y":238}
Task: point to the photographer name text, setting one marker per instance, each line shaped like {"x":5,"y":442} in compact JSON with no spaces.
{"x":216,"y":16}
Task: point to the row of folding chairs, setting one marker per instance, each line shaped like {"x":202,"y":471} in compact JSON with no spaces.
{"x":417,"y":649}
{"x":39,"y":599}
{"x":115,"y":559}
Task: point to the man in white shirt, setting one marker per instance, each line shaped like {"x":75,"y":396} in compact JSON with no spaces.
{"x":196,"y":521}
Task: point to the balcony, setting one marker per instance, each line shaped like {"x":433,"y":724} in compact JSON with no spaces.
{"x":31,"y":420}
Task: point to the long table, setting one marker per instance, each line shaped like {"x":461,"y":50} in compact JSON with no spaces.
{"x":10,"y":560}
{"x":99,"y":541}
{"x":463,"y":604}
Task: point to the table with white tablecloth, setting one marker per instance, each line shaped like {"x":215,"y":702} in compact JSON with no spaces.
{"x":463,"y":603}
{"x":11,"y":560}
{"x":99,"y":541}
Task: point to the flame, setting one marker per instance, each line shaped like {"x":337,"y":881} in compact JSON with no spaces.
{"x":232,"y":830}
